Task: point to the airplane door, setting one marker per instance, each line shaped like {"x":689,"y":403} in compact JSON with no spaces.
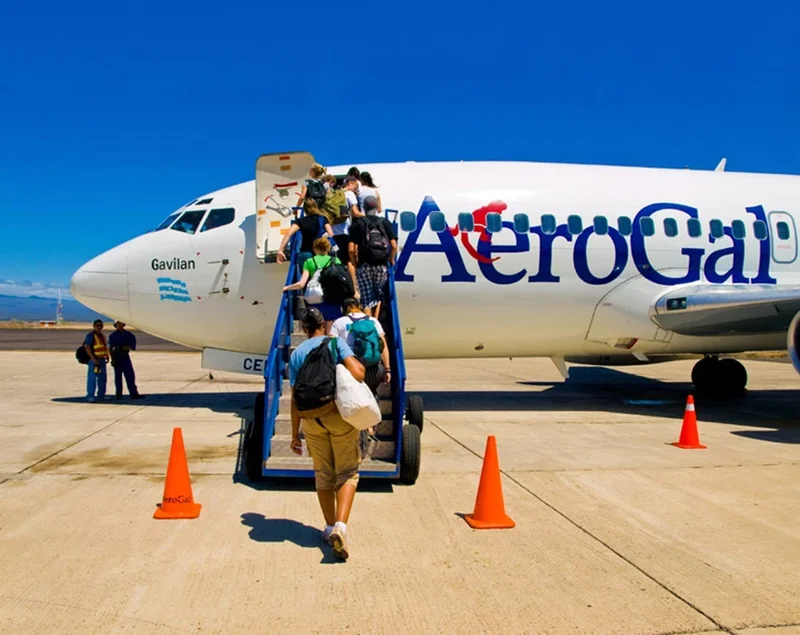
{"x":279,"y":181}
{"x":784,"y":237}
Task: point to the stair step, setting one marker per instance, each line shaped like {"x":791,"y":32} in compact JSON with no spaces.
{"x":281,"y":447}
{"x":384,"y":391}
{"x":283,"y":425}
{"x":295,"y":462}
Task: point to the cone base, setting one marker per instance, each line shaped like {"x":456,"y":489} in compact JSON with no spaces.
{"x":500,"y":523}
{"x":187,"y":510}
{"x":683,"y":446}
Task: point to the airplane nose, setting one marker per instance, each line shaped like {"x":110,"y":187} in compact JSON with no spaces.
{"x":102,"y":284}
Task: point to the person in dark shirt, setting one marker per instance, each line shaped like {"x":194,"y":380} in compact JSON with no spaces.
{"x":371,"y":273}
{"x":122,"y":342}
{"x":311,"y":226}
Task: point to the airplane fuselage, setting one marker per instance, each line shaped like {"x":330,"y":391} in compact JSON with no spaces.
{"x":571,"y":266}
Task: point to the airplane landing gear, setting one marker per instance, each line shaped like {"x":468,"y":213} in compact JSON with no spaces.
{"x":712,"y":375}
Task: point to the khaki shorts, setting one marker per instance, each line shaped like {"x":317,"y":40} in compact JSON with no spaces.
{"x":334,"y":448}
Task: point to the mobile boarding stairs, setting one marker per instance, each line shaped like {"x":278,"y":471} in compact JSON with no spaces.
{"x":396,"y":453}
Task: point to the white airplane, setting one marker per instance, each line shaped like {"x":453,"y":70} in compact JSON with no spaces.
{"x":579,"y":263}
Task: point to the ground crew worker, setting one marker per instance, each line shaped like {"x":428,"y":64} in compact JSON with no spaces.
{"x":96,"y":378}
{"x":122,"y":342}
{"x":332,"y":442}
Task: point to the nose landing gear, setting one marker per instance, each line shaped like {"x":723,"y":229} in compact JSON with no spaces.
{"x":712,"y":375}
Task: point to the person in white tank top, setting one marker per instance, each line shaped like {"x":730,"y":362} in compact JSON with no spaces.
{"x":368,"y":188}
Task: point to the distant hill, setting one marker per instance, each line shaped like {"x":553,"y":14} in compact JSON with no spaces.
{"x":38,"y":308}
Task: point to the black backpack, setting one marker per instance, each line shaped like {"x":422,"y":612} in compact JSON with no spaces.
{"x":376,"y":242}
{"x":337,"y":285}
{"x":316,"y":189}
{"x":82,"y":355}
{"x":315,"y":387}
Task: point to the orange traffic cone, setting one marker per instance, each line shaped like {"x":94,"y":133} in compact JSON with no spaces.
{"x":490,"y":512}
{"x":177,"y":501}
{"x":690,"y":438}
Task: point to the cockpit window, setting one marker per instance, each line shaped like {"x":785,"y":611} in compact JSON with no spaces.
{"x":218,"y":218}
{"x":189,"y":221}
{"x":167,"y":222}
{"x":205,"y":201}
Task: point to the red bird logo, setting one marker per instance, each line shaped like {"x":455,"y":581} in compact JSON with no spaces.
{"x":479,"y":225}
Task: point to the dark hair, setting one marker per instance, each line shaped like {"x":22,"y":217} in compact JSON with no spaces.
{"x":354,"y":171}
{"x":96,"y":322}
{"x":366,"y":179}
{"x":350,"y":304}
{"x":312,"y":320}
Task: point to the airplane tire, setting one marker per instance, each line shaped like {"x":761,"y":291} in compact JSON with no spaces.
{"x":411,"y":455}
{"x":254,"y":442}
{"x":706,"y":375}
{"x":415,"y":412}
{"x":733,"y":376}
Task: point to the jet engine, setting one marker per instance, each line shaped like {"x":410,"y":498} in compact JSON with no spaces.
{"x":793,"y":342}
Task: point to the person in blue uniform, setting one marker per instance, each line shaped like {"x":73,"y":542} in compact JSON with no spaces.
{"x":95,"y":345}
{"x":122,"y":342}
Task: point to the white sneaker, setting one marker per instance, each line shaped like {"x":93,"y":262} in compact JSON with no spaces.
{"x":326,"y":534}
{"x":338,"y":541}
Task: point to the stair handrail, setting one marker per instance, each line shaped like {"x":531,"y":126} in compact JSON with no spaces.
{"x":399,"y":366}
{"x":276,"y":361}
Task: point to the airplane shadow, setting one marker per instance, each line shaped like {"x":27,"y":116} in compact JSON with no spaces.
{"x":234,"y":403}
{"x":603,"y":389}
{"x":589,"y":389}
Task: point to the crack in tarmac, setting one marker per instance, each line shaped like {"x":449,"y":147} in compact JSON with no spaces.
{"x":576,"y":524}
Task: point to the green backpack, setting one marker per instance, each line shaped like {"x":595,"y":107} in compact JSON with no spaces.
{"x":367,"y":345}
{"x":335,"y":207}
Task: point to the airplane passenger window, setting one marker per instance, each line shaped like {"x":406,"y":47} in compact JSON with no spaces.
{"x":625,"y":226}
{"x":670,"y":227}
{"x":717,"y":230}
{"x":647,"y":226}
{"x":694,"y":227}
{"x":494,"y":222}
{"x":600,"y":225}
{"x":738,"y":229}
{"x":549,"y":224}
{"x":408,"y":221}
{"x":465,"y":222}
{"x":574,"y":224}
{"x":189,"y":221}
{"x":760,"y":229}
{"x":218,"y":218}
{"x":522,"y":224}
{"x":167,"y":222}
{"x":438,"y":223}
{"x":783,"y":230}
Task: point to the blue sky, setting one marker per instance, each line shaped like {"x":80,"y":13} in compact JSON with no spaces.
{"x":114,"y":114}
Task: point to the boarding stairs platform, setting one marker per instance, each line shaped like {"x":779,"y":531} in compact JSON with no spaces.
{"x":394,"y":452}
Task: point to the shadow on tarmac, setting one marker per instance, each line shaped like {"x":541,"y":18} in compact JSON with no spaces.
{"x":277,"y":530}
{"x":610,"y":390}
{"x":590,"y":388}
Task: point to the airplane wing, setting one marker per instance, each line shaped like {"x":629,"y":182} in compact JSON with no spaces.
{"x":705,"y":309}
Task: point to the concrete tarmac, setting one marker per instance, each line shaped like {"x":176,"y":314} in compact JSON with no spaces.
{"x":69,"y":339}
{"x":617,"y":531}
